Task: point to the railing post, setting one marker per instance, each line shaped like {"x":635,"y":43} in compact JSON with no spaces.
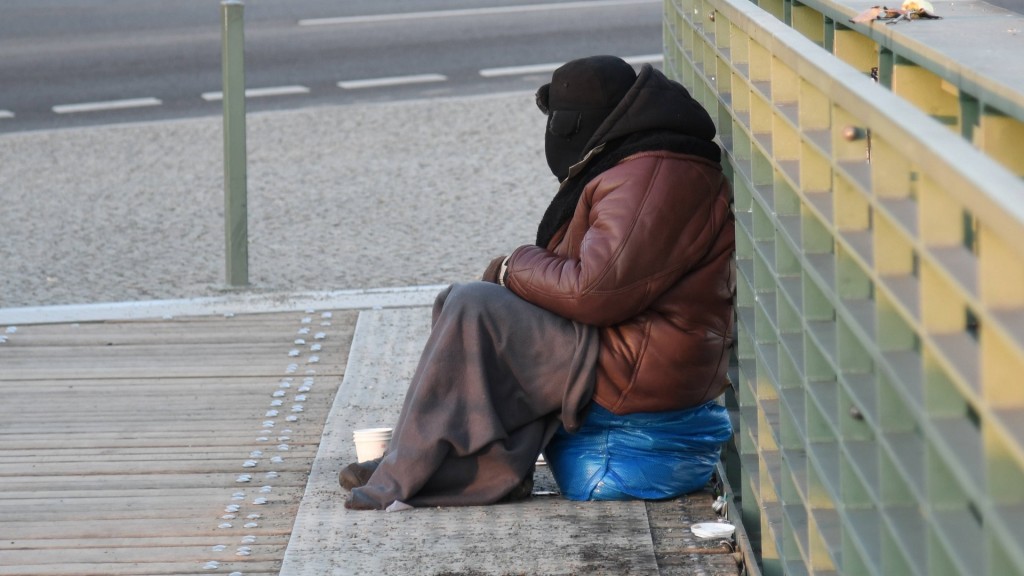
{"x":236,"y":227}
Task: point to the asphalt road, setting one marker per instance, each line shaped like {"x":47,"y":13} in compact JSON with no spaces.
{"x":108,"y":61}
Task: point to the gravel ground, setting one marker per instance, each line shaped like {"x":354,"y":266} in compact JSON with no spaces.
{"x":359,"y":196}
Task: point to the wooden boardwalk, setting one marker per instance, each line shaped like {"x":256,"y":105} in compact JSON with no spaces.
{"x":175,"y":446}
{"x":197,"y":445}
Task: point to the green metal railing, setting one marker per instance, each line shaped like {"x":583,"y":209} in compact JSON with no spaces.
{"x":880,"y":303}
{"x":236,"y":202}
{"x":957,"y":71}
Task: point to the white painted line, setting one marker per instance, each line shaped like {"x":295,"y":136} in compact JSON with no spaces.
{"x":260,"y":92}
{"x":377,"y":18}
{"x":6,"y":114}
{"x":550,"y":67}
{"x":392,"y":81}
{"x":644,"y":59}
{"x":519,"y":70}
{"x":109,"y":105}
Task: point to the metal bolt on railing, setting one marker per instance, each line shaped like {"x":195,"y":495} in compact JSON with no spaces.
{"x":853,"y":133}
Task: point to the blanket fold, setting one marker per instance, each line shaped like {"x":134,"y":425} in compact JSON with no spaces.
{"x":496,"y":379}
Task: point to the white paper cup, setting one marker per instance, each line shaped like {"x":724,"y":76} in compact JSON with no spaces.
{"x":371,"y":442}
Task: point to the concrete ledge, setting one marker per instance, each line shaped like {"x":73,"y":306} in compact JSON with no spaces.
{"x":543,"y":535}
{"x":242,"y":303}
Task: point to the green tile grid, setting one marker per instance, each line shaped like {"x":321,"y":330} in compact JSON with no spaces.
{"x":880,"y":306}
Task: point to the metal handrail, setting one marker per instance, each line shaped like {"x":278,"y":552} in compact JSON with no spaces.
{"x":236,"y":227}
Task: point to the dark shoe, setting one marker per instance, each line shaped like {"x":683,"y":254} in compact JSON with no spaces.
{"x":357,"y":501}
{"x":522,"y":491}
{"x":357,"y":474}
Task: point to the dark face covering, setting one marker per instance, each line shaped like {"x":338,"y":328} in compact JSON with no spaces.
{"x":582,"y":93}
{"x":567,"y":134}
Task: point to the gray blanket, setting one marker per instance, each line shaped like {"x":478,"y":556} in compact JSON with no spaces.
{"x":497,"y":377}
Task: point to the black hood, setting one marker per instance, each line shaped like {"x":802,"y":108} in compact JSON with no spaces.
{"x":656,"y":113}
{"x":655,"y":103}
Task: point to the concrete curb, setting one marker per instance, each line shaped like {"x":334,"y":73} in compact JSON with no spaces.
{"x":248,"y":303}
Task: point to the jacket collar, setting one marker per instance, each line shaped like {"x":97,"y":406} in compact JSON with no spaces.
{"x":579,"y":166}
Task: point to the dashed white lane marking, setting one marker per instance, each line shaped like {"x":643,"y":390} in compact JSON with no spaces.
{"x":644,"y":59}
{"x":260,"y":92}
{"x":377,"y":18}
{"x":6,"y":114}
{"x":345,"y":84}
{"x":109,"y":105}
{"x":550,"y":67}
{"x":391,"y":81}
{"x":517,"y":70}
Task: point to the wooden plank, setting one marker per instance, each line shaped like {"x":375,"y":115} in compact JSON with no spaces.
{"x":24,"y":371}
{"x":255,"y":327}
{"x":114,"y":441}
{"x":147,"y":568}
{"x":57,"y":510}
{"x":126,"y":555}
{"x":140,"y":542}
{"x":118,"y":529}
{"x":27,"y":374}
{"x":147,"y":481}
{"x":121,"y":442}
{"x":158,"y":385}
{"x":213,"y":490}
{"x":213,"y":400}
{"x":148,"y":467}
{"x":244,"y":436}
{"x":172,"y":455}
{"x":180,"y":349}
{"x":104,"y":421}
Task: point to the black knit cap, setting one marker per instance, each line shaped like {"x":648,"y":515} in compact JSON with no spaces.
{"x":581,"y":95}
{"x":594,"y":83}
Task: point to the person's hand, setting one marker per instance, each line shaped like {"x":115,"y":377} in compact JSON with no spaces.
{"x":493,"y":270}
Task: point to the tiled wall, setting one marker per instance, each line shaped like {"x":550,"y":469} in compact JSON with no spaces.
{"x":880,"y":258}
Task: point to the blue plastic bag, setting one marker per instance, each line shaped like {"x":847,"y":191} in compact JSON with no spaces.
{"x":647,"y":456}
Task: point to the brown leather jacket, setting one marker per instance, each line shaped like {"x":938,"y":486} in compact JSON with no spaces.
{"x":646,"y":257}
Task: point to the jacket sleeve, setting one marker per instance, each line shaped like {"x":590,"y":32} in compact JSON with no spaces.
{"x":650,"y":220}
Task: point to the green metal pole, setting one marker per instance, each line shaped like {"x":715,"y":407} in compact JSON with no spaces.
{"x":236,"y":225}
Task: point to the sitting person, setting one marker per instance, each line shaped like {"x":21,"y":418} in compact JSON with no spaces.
{"x":624,"y":300}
